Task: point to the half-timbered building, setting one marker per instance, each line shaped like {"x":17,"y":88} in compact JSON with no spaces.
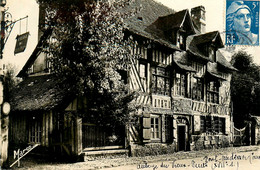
{"x":181,"y":75}
{"x":186,"y":84}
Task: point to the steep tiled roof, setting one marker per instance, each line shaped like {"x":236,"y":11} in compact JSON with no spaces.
{"x":195,"y":41}
{"x":209,"y":37}
{"x":223,"y":62}
{"x":181,"y":60}
{"x":171,"y":21}
{"x":213,"y":71}
{"x":39,"y":93}
{"x":150,"y":11}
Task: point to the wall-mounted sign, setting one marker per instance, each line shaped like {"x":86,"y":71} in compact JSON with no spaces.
{"x":21,"y":42}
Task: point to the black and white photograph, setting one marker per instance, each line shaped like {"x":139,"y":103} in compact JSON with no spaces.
{"x":129,"y":85}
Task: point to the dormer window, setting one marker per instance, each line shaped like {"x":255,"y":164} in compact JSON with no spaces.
{"x":180,"y":40}
{"x":208,"y":51}
{"x":212,"y":53}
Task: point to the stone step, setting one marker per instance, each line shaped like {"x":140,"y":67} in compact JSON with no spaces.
{"x":113,"y":153}
{"x":105,"y":152}
{"x":102,"y":148}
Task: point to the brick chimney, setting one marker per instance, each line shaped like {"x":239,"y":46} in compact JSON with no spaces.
{"x":199,"y":19}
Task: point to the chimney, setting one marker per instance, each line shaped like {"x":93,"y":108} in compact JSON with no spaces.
{"x":199,"y":19}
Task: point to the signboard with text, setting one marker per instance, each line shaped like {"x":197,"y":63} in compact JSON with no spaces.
{"x":21,"y":42}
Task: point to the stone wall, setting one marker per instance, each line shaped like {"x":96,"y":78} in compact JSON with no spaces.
{"x":204,"y":141}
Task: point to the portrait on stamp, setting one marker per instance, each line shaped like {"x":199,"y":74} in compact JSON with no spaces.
{"x":242,"y":22}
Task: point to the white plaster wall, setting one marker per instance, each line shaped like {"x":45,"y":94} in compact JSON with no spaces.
{"x":20,"y":9}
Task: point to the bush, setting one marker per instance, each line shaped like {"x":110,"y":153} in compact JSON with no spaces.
{"x":153,"y":149}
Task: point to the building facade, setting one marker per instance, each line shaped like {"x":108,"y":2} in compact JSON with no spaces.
{"x":185,"y":81}
{"x":181,"y":76}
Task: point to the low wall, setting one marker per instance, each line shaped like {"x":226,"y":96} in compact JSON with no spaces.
{"x":152,"y":149}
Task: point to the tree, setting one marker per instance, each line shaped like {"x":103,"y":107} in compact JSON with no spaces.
{"x":88,"y":48}
{"x":245,"y":91}
{"x":9,"y":81}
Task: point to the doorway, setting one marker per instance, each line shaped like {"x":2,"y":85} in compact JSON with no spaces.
{"x":181,"y":138}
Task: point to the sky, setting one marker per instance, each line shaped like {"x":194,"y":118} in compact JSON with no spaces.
{"x":19,"y":10}
{"x":215,"y":19}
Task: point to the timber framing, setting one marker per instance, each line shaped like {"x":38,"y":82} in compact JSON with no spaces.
{"x":183,"y":85}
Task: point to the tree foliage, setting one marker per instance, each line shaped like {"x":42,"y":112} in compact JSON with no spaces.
{"x":9,"y":81}
{"x":245,"y":88}
{"x":88,"y":47}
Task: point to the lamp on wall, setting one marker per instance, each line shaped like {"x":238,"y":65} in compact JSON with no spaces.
{"x":3,"y":3}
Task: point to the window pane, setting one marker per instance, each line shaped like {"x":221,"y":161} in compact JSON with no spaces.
{"x":178,"y":84}
{"x":35,"y":130}
{"x":160,"y":85}
{"x":155,"y":127}
{"x":213,"y":92}
{"x":183,"y":84}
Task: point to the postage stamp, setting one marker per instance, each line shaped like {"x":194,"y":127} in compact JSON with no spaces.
{"x":242,"y":22}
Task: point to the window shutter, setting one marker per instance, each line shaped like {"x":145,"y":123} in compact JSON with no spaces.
{"x":223,"y":125}
{"x":208,"y":124}
{"x":169,"y":129}
{"x":146,"y":129}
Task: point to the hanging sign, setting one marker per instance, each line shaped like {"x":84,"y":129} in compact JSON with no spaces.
{"x":21,"y":42}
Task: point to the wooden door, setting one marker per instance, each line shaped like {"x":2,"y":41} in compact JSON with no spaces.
{"x":99,"y":136}
{"x":181,"y":138}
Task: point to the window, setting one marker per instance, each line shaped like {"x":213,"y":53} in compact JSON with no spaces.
{"x":35,"y":130}
{"x":204,"y":49}
{"x":219,"y":125}
{"x":212,"y":53}
{"x":213,"y":92}
{"x":181,"y":81}
{"x":199,"y":68}
{"x":180,"y":39}
{"x":155,"y":127}
{"x":160,"y":81}
{"x":197,"y":91}
{"x":209,"y":51}
{"x":205,"y":124}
